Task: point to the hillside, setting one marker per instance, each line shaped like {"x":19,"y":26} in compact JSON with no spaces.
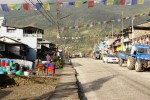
{"x":77,"y":16}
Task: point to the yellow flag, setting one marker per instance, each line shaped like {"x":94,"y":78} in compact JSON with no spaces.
{"x":12,"y":6}
{"x":78,"y":3}
{"x":140,"y":1}
{"x":110,"y":2}
{"x":46,"y":6}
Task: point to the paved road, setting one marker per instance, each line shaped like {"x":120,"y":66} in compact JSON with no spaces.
{"x":102,"y":81}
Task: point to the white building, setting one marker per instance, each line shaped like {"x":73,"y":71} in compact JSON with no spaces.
{"x":30,"y":36}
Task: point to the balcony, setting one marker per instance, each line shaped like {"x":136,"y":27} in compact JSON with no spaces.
{"x":33,"y":35}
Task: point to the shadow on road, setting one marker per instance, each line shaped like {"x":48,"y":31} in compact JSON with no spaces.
{"x":92,"y":86}
{"x":76,"y":65}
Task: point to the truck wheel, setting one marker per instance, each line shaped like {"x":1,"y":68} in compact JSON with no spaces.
{"x":120,"y":62}
{"x":138,"y":66}
{"x":131,"y":63}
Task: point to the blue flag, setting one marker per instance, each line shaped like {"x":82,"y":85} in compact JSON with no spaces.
{"x":71,"y":3}
{"x":104,"y":1}
{"x":5,"y":7}
{"x":134,"y":2}
{"x":38,"y":6}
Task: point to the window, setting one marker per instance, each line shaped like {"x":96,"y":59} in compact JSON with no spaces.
{"x":10,"y":30}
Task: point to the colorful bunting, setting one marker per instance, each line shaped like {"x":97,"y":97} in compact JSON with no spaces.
{"x":134,"y":2}
{"x":26,"y":6}
{"x":71,"y":3}
{"x":110,"y":2}
{"x":140,"y":1}
{"x":39,"y":6}
{"x":78,"y":4}
{"x":104,"y":22}
{"x":90,"y":4}
{"x":12,"y":6}
{"x":116,"y":2}
{"x":46,"y":6}
{"x":18,"y":6}
{"x":122,"y":2}
{"x":5,"y":7}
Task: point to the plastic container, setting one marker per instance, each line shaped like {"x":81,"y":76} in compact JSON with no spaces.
{"x":6,"y":62}
{"x":11,"y":63}
{"x":3,"y":62}
{"x":18,"y":73}
{"x":26,"y":73}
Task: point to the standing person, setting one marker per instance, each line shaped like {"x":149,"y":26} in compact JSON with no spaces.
{"x":51,"y":68}
{"x":48,"y":58}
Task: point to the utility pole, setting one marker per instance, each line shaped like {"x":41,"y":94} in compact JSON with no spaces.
{"x":58,"y":28}
{"x":112,"y":30}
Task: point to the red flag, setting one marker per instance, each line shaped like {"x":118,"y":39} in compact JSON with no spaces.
{"x":90,"y":4}
{"x":26,"y":6}
{"x":122,"y":2}
{"x":59,"y":3}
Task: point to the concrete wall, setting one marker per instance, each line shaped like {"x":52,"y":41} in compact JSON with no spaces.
{"x":18,"y":33}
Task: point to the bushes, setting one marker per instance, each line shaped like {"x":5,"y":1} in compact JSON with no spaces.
{"x":59,"y":62}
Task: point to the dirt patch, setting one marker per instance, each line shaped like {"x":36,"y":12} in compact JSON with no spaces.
{"x":33,"y":91}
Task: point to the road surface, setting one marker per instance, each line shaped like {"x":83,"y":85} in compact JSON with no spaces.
{"x":102,"y":81}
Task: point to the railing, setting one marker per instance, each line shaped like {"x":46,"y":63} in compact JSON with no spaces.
{"x":33,"y":35}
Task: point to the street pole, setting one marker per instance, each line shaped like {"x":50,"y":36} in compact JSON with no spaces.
{"x":133,"y":31}
{"x":112,"y":30}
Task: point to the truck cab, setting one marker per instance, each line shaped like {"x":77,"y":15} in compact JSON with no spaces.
{"x":139,"y":58}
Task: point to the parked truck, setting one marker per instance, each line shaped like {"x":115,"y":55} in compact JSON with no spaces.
{"x":138,"y":58}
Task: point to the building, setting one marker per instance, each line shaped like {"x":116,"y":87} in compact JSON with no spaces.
{"x":31,"y":36}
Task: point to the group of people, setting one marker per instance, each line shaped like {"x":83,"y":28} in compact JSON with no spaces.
{"x":47,"y":67}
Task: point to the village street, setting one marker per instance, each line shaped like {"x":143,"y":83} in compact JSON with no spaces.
{"x":102,"y":81}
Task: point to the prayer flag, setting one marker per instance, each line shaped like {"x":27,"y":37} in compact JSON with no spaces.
{"x":12,"y":6}
{"x":122,"y":2}
{"x":134,"y":2}
{"x":18,"y":6}
{"x":104,"y":1}
{"x":128,"y":2}
{"x":26,"y":6}
{"x":71,"y":3}
{"x":109,"y":2}
{"x":140,"y":1}
{"x":116,"y":2}
{"x":84,"y":1}
{"x":78,"y":4}
{"x":39,"y":6}
{"x":46,"y":6}
{"x":59,"y":3}
{"x":90,"y":4}
{"x":5,"y":7}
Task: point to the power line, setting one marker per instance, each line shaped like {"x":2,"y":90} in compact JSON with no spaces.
{"x":40,"y":11}
{"x":50,"y":16}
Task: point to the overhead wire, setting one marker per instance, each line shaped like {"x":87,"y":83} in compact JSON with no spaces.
{"x":48,"y":14}
{"x":40,"y":11}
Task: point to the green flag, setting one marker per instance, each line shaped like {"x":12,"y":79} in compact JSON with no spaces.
{"x":116,"y":2}
{"x":84,"y":1}
{"x":18,"y":6}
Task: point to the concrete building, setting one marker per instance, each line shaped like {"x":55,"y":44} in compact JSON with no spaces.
{"x":31,"y":36}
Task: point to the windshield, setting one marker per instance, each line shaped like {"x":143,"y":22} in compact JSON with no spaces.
{"x":144,"y":50}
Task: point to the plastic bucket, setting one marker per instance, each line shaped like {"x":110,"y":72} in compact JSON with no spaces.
{"x":6,"y":62}
{"x":11,"y":63}
{"x":3,"y":62}
{"x":26,"y":73}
